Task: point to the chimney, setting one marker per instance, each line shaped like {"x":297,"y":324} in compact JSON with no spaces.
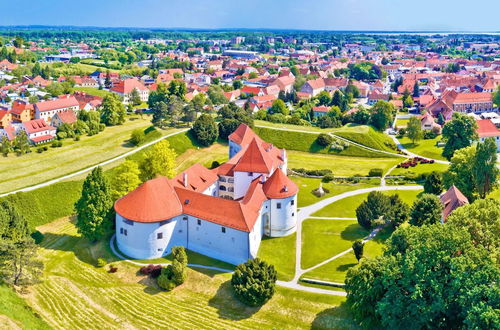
{"x":285,"y":188}
{"x":262,"y":179}
{"x":283,"y":154}
{"x":185,"y":179}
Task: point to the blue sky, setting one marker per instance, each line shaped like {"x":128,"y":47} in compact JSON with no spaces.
{"x":444,"y":15}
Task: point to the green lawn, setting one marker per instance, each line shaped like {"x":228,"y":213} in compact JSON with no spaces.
{"x":424,"y":148}
{"x":413,"y":172}
{"x":367,"y":136}
{"x":93,"y":91}
{"x":347,"y":206}
{"x":336,"y":270}
{"x":323,"y":239}
{"x":340,"y":165}
{"x":74,"y":294}
{"x":307,"y":185}
{"x":280,"y":252}
{"x":29,"y":169}
{"x":303,"y":141}
{"x":402,"y":122}
{"x":16,"y":314}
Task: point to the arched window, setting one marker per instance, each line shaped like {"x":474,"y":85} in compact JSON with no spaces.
{"x":223,"y":188}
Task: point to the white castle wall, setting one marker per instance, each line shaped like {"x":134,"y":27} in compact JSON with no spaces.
{"x":283,"y":221}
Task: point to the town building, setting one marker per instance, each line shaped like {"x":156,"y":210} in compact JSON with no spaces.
{"x":486,"y":129}
{"x":451,"y":200}
{"x":221,"y":213}
{"x":47,"y":109}
{"x":125,"y":87}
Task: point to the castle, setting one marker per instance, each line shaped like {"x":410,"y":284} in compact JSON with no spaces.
{"x":221,"y":213}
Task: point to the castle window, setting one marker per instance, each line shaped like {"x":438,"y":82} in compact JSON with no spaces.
{"x":199,"y":222}
{"x":159,"y":235}
{"x":223,"y":188}
{"x":293,"y":201}
{"x":121,"y":230}
{"x":293,"y":214}
{"x":250,"y":173}
{"x":128,"y":222}
{"x":223,"y":229}
{"x":125,"y":232}
{"x":278,"y":205}
{"x":184,"y":218}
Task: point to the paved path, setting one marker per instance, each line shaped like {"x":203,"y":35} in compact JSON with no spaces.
{"x":335,"y":136}
{"x":109,"y":161}
{"x":411,"y":154}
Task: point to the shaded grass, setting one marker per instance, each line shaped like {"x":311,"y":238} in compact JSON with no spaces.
{"x":366,"y":136}
{"x":424,"y":148}
{"x":280,"y":252}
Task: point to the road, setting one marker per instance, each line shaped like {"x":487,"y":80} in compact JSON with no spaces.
{"x":90,"y":168}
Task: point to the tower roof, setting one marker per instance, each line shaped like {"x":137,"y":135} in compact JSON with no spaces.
{"x":254,"y":159}
{"x":452,"y":199}
{"x":155,"y":200}
{"x":279,"y":186}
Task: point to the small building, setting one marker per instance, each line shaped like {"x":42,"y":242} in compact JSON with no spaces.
{"x":64,"y":117}
{"x":320,"y":111}
{"x":486,"y":129}
{"x":451,"y":200}
{"x":125,"y":87}
{"x":47,"y":109}
{"x":38,"y":131}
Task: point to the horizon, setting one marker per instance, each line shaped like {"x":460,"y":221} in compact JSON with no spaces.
{"x":320,"y":15}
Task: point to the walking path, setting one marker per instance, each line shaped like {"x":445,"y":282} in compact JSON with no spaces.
{"x":411,"y":154}
{"x":109,"y":161}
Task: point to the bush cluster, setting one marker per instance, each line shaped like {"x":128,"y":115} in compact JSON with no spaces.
{"x":56,"y":144}
{"x":304,"y":171}
{"x":376,"y":172}
{"x":324,"y":140}
{"x":151,"y":270}
{"x":176,"y":273}
{"x":254,"y":282}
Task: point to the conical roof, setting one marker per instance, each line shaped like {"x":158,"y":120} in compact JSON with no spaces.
{"x":279,"y":186}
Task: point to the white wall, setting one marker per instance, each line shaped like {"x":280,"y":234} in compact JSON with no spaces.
{"x":141,"y":240}
{"x":208,"y":239}
{"x":234,"y":148}
{"x":283,"y":221}
{"x":241,"y":182}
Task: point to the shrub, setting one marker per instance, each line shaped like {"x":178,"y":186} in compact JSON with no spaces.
{"x":378,"y":172}
{"x":324,"y":140}
{"x":137,"y":137}
{"x":165,"y":283}
{"x":39,"y":150}
{"x":152,"y":270}
{"x":215,"y":164}
{"x":328,"y":178}
{"x":101,"y":262}
{"x":45,"y":148}
{"x":357,"y":247}
{"x":62,"y":135}
{"x":428,"y":135}
{"x":77,"y":138}
{"x":254,"y":282}
{"x":112,"y":269}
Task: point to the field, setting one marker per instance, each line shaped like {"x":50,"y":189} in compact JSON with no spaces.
{"x":307,"y":185}
{"x":420,"y":169}
{"x":16,"y":314}
{"x":346,"y":208}
{"x":340,"y":165}
{"x":402,"y":122}
{"x":367,"y":136}
{"x":29,"y":169}
{"x":303,"y":141}
{"x":424,"y":148}
{"x":75,"y":294}
{"x":93,"y":91}
{"x":324,"y":238}
{"x":280,"y":252}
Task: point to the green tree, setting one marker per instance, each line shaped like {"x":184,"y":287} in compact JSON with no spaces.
{"x":496,"y":97}
{"x":382,"y":114}
{"x":205,"y":130}
{"x":177,"y":88}
{"x":237,"y":84}
{"x":357,"y":247}
{"x":458,"y":133}
{"x":433,"y":183}
{"x":135,"y":98}
{"x":159,"y":160}
{"x":460,"y":171}
{"x":324,"y":98}
{"x":254,"y":282}
{"x":94,"y":209}
{"x":426,"y":210}
{"x":279,"y":107}
{"x":112,"y":111}
{"x":125,"y":179}
{"x":408,"y":102}
{"x":414,"y":130}
{"x":160,"y":115}
{"x":137,"y":137}
{"x":484,"y":169}
{"x":176,"y":273}
{"x":33,"y":99}
{"x":216,"y":95}
{"x":21,"y":142}
{"x":398,"y":211}
{"x":416,"y":90}
{"x":375,"y":206}
{"x":19,"y":265}
{"x":5,"y":146}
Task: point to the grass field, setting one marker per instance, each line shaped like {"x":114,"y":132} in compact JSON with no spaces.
{"x":29,"y":169}
{"x":75,"y":294}
{"x":323,"y":239}
{"x":419,"y":169}
{"x":302,"y":141}
{"x":402,"y":122}
{"x":280,"y":252}
{"x":93,"y":91}
{"x":307,"y":185}
{"x":424,"y":148}
{"x":367,"y":136}
{"x":347,"y":206}
{"x":340,"y":165}
{"x":336,"y":270}
{"x":16,"y":314}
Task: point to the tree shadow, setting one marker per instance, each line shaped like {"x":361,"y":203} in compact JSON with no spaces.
{"x":353,"y":232}
{"x":335,"y":318}
{"x":228,"y":307}
{"x":345,"y":267}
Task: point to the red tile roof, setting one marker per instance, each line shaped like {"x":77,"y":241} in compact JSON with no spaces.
{"x":279,"y":186}
{"x":451,"y":200}
{"x":67,"y":116}
{"x":37,"y":125}
{"x":486,"y":128}
{"x":254,"y":159}
{"x":128,"y":85}
{"x":198,"y":178}
{"x":60,"y":103}
{"x":153,"y":201}
{"x":321,"y":108}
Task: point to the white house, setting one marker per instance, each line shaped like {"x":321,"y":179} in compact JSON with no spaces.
{"x":38,"y":131}
{"x":222,"y":213}
{"x":125,"y":88}
{"x":47,"y":109}
{"x":486,"y":129}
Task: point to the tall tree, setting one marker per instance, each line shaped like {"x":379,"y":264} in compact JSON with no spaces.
{"x":485,"y":171}
{"x":159,"y":160}
{"x":416,"y":90}
{"x":112,"y":111}
{"x":382,"y":114}
{"x":5,"y":145}
{"x":426,"y":210}
{"x":414,"y":130}
{"x":94,"y":208}
{"x":459,"y":133}
{"x":135,"y":98}
{"x":433,"y":183}
{"x":21,"y":142}
{"x":357,"y":247}
{"x":125,"y":179}
{"x":205,"y":130}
